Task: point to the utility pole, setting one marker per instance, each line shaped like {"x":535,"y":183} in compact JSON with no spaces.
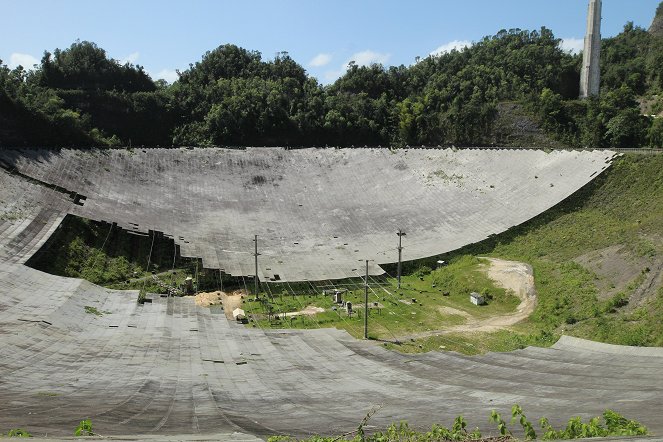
{"x":400,"y":234}
{"x":255,"y":254}
{"x":366,"y":303}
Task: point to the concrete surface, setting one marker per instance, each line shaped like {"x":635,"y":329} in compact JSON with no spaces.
{"x":171,"y":369}
{"x":317,"y":212}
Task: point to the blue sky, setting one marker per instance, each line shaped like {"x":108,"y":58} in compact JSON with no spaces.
{"x":321,"y":35}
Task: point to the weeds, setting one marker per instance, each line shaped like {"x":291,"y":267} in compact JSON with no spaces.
{"x":610,"y":424}
{"x":18,"y":432}
{"x":84,"y":428}
{"x":93,"y":311}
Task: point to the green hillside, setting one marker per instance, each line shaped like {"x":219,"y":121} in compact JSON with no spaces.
{"x":232,"y":96}
{"x":598,"y":264}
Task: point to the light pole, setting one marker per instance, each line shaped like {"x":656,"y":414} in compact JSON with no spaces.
{"x":400,"y":234}
{"x":366,"y":303}
{"x":256,"y":254}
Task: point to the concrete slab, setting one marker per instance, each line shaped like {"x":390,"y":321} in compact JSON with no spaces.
{"x":317,"y":212}
{"x":169,"y":369}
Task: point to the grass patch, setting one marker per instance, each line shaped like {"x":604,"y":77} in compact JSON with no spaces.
{"x":608,"y":424}
{"x":94,"y":311}
{"x":624,"y":207}
{"x":428,"y":300}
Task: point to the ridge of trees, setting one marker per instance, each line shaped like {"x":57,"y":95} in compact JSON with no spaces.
{"x":232,"y":97}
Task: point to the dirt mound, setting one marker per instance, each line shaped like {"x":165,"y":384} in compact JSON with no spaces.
{"x":230,"y":301}
{"x":205,"y":299}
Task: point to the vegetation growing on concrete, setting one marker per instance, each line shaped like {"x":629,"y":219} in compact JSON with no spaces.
{"x":608,"y":425}
{"x":110,"y":256}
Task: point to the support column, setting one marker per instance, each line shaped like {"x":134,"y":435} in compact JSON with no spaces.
{"x":590,"y":75}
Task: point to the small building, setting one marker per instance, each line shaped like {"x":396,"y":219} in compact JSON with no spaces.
{"x":239,"y":314}
{"x":337,"y":295}
{"x":477,"y":299}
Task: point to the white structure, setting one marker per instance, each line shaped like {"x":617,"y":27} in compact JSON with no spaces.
{"x":239,"y":314}
{"x":477,"y":299}
{"x":590,"y":76}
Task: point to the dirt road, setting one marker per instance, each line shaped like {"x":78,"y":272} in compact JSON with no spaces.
{"x":511,"y":275}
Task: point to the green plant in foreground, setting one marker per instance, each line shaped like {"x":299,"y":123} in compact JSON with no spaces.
{"x":496,"y":418}
{"x":517,"y":414}
{"x":18,"y":432}
{"x":614,"y":425}
{"x":84,"y":428}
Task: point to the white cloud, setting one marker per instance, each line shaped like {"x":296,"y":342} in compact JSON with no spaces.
{"x":320,"y":60}
{"x":131,"y":58}
{"x":166,"y":74}
{"x":448,"y":47}
{"x":573,"y":45}
{"x":25,"y":60}
{"x":363,"y":58}
{"x":366,"y":58}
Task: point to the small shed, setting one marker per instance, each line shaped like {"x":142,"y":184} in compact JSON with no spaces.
{"x":336,"y":294}
{"x":477,"y":299}
{"x":239,"y":314}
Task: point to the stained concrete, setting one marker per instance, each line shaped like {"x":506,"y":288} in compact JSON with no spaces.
{"x":317,"y":212}
{"x":169,"y":368}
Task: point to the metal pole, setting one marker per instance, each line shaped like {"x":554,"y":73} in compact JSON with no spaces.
{"x":255,"y":279}
{"x":366,"y":303}
{"x":400,"y":252}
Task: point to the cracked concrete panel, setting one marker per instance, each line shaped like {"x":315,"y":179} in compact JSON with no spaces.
{"x":317,"y":212}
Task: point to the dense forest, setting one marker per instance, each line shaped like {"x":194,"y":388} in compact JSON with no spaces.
{"x":233,"y":97}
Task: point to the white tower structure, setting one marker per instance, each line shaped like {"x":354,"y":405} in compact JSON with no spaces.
{"x":590,"y":76}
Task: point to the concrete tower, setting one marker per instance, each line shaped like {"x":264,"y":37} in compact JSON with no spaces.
{"x":590,"y":76}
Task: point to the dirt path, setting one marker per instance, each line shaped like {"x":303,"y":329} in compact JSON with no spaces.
{"x":310,"y":310}
{"x":511,"y":275}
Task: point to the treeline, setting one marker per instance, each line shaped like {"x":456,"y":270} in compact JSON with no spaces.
{"x":232,"y":97}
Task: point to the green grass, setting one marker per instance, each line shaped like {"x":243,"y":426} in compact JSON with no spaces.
{"x":608,"y":424}
{"x":622,"y":207}
{"x":94,"y":311}
{"x":397,"y":315}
